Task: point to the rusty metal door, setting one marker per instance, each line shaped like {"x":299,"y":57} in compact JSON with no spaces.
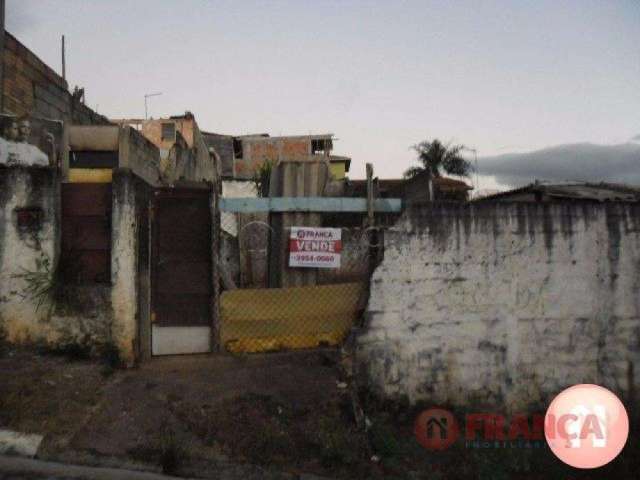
{"x":181,"y":269}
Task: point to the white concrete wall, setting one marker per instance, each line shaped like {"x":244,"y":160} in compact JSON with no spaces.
{"x":235,"y":189}
{"x":505,"y":304}
{"x":22,"y":187}
{"x":85,"y":318}
{"x":195,"y":164}
{"x":124,"y":265}
{"x":139,"y":155}
{"x":95,"y":314}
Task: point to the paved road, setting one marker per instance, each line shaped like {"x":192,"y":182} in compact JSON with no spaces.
{"x":17,"y":468}
{"x":29,"y":476}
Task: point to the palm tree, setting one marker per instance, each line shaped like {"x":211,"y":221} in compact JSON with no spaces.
{"x":435,"y":155}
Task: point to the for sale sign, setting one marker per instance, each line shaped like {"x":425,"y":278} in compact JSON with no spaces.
{"x":315,"y":247}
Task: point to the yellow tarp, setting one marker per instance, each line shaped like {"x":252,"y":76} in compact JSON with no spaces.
{"x":260,"y":320}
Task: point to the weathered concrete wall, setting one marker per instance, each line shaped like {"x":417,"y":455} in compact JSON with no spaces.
{"x":90,"y":315}
{"x":223,"y":146}
{"x":185,"y":157}
{"x":505,"y":304}
{"x":124,"y":264}
{"x":135,"y":152}
{"x":140,"y":155}
{"x":83,"y":313}
{"x":198,"y":165}
{"x":22,"y":247}
{"x":144,"y":194}
{"x":113,"y":313}
{"x":178,"y":154}
{"x":152,"y":129}
{"x":103,"y":138}
{"x":354,"y":259}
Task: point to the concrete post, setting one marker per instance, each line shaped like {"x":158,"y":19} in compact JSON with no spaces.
{"x":1,"y":56}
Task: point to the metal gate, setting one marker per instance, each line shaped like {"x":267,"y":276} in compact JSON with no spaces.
{"x":181,"y":272}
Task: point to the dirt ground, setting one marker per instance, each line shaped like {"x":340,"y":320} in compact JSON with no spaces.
{"x":253,"y":416}
{"x":187,"y":414}
{"x":47,"y":394}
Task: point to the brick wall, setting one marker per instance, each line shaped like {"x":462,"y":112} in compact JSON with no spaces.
{"x":30,"y":87}
{"x":152,"y":129}
{"x":258,"y":150}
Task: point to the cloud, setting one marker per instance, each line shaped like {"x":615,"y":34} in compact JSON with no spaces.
{"x":580,"y":162}
{"x":636,"y":138}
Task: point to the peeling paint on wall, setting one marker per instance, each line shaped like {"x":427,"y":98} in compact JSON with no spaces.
{"x":124,"y":267}
{"x":93,"y":315}
{"x":22,"y":187}
{"x":505,"y":304}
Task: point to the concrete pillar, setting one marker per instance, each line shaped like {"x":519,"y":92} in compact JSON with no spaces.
{"x":1,"y":56}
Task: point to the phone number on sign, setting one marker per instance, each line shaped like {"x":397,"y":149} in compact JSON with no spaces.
{"x":313,"y":258}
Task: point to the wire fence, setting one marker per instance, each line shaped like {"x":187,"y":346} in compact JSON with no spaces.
{"x":289,"y":286}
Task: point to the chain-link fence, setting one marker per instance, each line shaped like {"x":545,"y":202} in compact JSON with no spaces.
{"x":288,"y":285}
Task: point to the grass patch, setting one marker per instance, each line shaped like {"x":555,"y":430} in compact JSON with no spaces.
{"x":335,"y":441}
{"x":272,"y":432}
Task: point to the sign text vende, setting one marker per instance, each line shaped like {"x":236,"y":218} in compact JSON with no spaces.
{"x":313,"y":247}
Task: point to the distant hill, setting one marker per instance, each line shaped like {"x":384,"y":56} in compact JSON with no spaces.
{"x":579,"y":161}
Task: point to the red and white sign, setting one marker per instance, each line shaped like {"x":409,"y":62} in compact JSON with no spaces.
{"x":315,"y":247}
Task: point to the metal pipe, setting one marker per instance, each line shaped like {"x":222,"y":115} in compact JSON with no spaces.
{"x":64,"y":64}
{"x":147,"y":95}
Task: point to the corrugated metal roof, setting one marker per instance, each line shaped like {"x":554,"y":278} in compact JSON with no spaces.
{"x":574,"y":191}
{"x":450,"y":184}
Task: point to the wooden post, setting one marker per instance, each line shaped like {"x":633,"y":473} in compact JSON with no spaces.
{"x":216,"y":319}
{"x":370,"y":214}
{"x":372,"y":231}
{"x":64,"y":62}
{"x":2,"y":56}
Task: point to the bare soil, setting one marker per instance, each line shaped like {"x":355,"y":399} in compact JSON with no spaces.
{"x":48,"y":394}
{"x":282,"y":415}
{"x":186,"y":414}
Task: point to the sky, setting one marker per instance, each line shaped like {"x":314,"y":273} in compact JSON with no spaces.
{"x":498,"y":76}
